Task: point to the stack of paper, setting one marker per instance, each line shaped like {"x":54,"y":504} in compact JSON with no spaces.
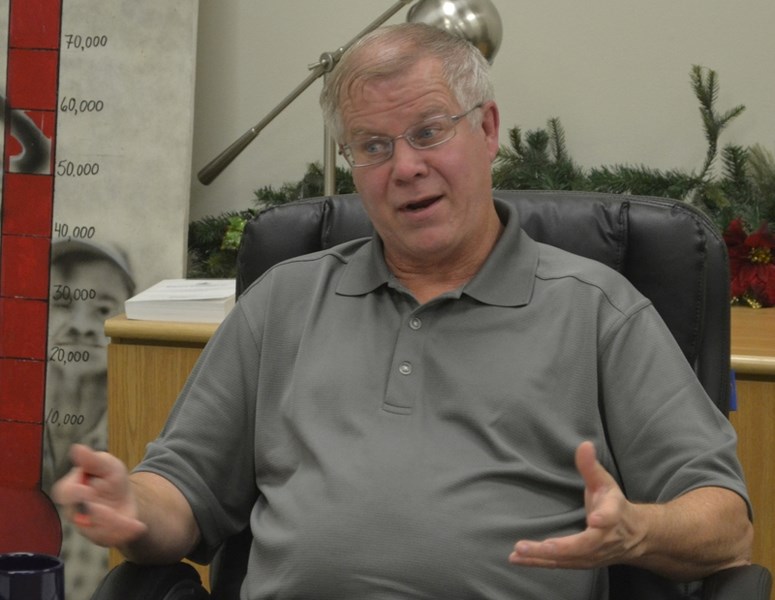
{"x":189,"y":300}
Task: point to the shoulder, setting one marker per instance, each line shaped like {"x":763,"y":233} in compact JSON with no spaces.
{"x":303,"y":270}
{"x":586,"y":277}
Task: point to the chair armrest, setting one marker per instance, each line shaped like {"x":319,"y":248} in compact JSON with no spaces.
{"x":144,"y":582}
{"x":752,"y":582}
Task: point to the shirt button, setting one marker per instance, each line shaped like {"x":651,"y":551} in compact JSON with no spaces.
{"x":405,"y":368}
{"x":415,"y":323}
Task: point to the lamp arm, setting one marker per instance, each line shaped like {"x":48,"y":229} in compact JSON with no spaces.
{"x":327,"y":62}
{"x":212,"y":169}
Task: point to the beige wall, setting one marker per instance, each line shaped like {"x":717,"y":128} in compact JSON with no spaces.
{"x":616,"y":72}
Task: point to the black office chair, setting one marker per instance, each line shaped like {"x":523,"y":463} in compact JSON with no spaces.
{"x":668,"y":250}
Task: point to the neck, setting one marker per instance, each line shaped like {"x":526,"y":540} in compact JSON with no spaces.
{"x":430,"y":279}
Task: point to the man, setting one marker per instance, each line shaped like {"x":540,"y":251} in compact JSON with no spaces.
{"x":403,"y":418}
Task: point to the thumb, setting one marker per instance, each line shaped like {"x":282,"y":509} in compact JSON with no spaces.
{"x":594,"y":474}
{"x":81,"y":455}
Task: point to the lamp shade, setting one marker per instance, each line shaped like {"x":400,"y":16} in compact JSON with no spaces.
{"x":477,"y":21}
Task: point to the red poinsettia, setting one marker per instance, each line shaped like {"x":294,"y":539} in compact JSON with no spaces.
{"x":751,"y":264}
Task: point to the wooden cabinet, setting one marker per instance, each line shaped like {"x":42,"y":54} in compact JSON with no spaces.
{"x":148,"y":363}
{"x":753,"y":361}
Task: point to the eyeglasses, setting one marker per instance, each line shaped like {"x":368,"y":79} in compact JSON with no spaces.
{"x":377,"y":149}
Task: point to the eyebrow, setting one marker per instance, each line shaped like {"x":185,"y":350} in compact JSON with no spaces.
{"x":428,"y":113}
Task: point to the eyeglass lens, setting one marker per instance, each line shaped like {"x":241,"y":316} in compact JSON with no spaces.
{"x":427,"y":134}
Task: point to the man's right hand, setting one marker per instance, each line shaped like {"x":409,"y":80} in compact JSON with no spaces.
{"x":143,"y":514}
{"x":98,"y":498}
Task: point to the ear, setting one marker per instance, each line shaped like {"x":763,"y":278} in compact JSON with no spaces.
{"x":491,"y":121}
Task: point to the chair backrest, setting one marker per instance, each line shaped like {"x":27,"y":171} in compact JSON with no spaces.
{"x":670,"y":251}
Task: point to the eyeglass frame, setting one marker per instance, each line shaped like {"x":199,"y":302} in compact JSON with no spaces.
{"x":346,"y":151}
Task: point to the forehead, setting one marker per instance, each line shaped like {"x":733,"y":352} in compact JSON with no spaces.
{"x":381,"y":104}
{"x":100,"y":274}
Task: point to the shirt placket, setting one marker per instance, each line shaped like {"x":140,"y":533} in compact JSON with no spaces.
{"x":405,"y":378}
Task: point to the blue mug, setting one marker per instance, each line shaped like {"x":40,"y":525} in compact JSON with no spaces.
{"x":28,"y":576}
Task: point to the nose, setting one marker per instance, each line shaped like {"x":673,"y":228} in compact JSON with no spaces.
{"x":82,"y":323}
{"x":408,"y":162}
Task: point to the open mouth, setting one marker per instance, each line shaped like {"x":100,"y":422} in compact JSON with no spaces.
{"x":422,"y":204}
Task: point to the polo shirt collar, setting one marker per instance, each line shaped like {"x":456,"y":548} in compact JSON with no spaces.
{"x":506,"y":278}
{"x":366,"y":270}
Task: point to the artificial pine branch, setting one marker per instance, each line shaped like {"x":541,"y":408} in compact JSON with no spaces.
{"x":642,"y":181}
{"x":310,"y":186}
{"x":557,"y":137}
{"x":733,"y":160}
{"x":706,"y":88}
{"x":208,"y":231}
{"x":211,"y":249}
{"x":540,"y":162}
{"x":515,"y":139}
{"x":760,"y":169}
{"x":730,"y":196}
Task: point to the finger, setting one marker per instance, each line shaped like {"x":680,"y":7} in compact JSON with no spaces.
{"x":81,"y":483}
{"x":569,"y":550}
{"x":105,"y":526}
{"x":582,"y":550}
{"x":80,"y":454}
{"x":93,"y":463}
{"x":534,"y":554}
{"x":586,"y":463}
{"x":70,"y":488}
{"x":595,"y":476}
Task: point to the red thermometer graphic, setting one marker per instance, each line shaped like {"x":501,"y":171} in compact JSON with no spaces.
{"x":29,"y":519}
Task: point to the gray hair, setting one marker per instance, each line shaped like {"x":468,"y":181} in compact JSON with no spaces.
{"x":389,"y":51}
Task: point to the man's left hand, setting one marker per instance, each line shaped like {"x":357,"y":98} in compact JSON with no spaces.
{"x":611,"y":535}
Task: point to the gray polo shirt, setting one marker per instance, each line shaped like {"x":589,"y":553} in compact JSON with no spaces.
{"x":383,"y":449}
